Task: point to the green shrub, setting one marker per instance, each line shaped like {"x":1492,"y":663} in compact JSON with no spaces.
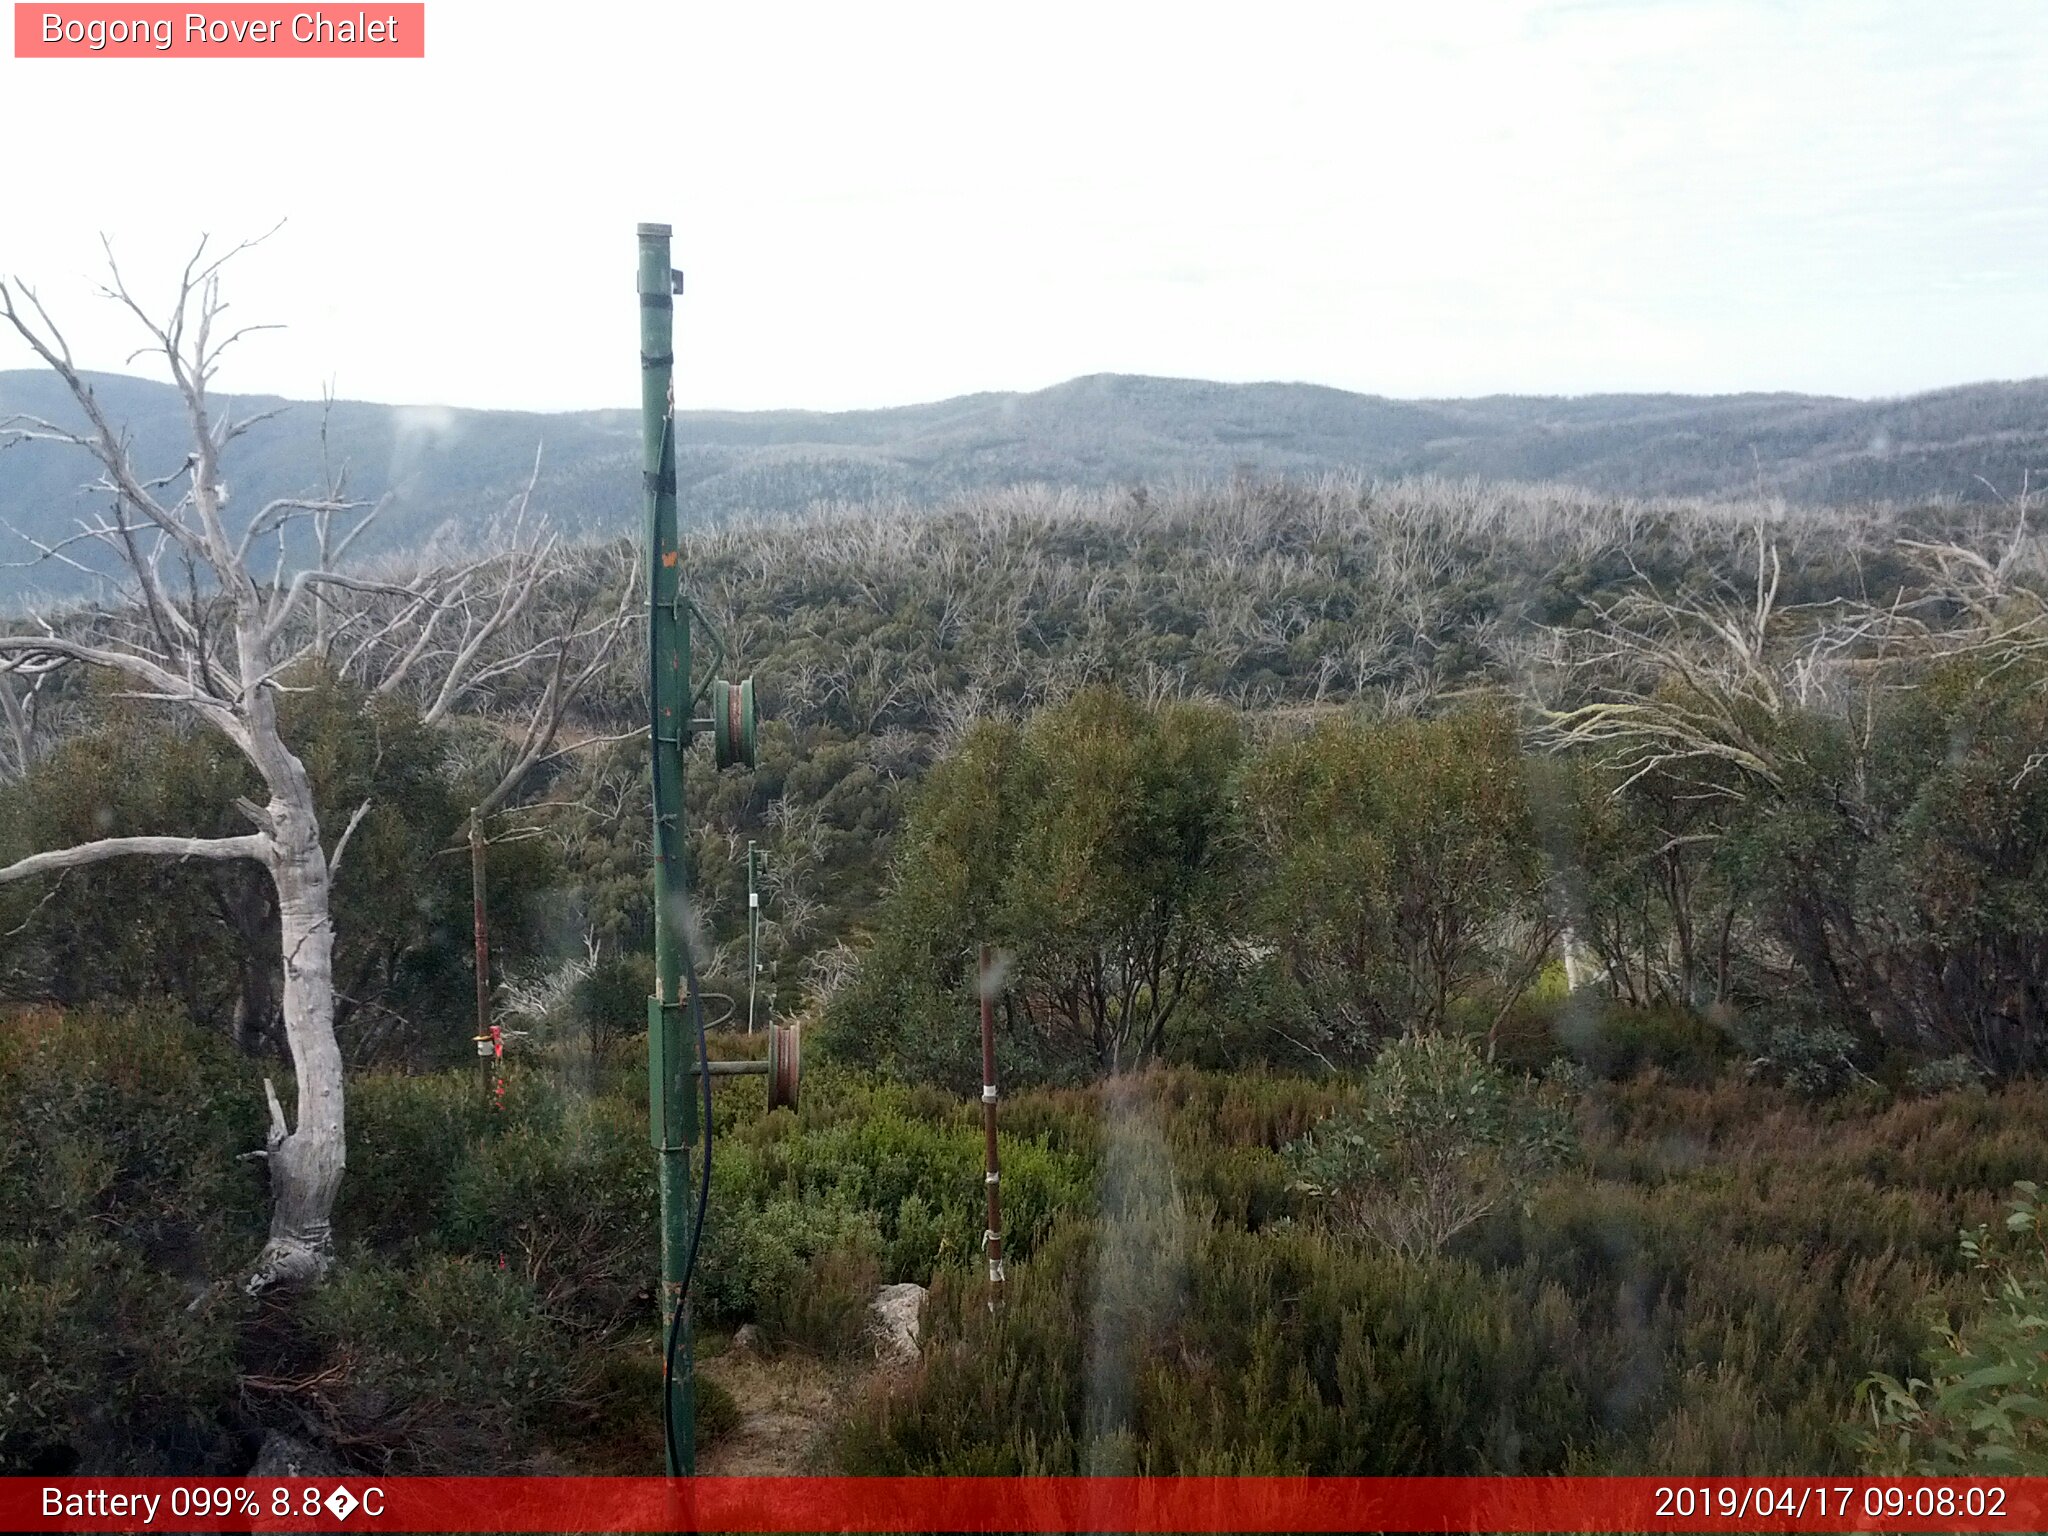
{"x":1440,"y":1140}
{"x":133,"y":1120}
{"x":122,"y":1202}
{"x":1810,"y":1057}
{"x":450,"y":1367}
{"x":757,"y":1257}
{"x":101,"y":1360}
{"x":406,"y":1136}
{"x":922,"y":1238}
{"x":886,"y":1162}
{"x":827,"y":1309}
{"x":569,"y":1201}
{"x":1273,"y":1353}
{"x":1703,"y":1299}
{"x":1982,"y":1410}
{"x":1949,"y":1074}
{"x":1703,"y":1295}
{"x":1618,"y":1041}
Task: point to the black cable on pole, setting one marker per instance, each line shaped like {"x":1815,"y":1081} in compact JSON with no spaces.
{"x":669,"y":834}
{"x":695,"y":996}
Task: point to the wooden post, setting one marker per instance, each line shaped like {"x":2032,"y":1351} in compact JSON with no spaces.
{"x":992,"y":1235}
{"x":483,"y":942}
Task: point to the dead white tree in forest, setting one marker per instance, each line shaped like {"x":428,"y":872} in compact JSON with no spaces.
{"x":1696,"y":701}
{"x":1688,"y":687}
{"x":1692,"y":688}
{"x":197,"y":631}
{"x":1991,"y":608}
{"x":1689,"y":697}
{"x":22,"y":710}
{"x":574,"y":654}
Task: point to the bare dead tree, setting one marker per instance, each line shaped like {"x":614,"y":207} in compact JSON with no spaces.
{"x":1991,"y":608}
{"x":829,"y":972}
{"x":1690,"y":686}
{"x":1690,"y":689}
{"x":195,"y":630}
{"x":1689,"y":699}
{"x":571,"y":651}
{"x":23,"y":712}
{"x":581,"y":652}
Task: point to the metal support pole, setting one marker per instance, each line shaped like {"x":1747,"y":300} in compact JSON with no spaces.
{"x":672,"y":1117}
{"x":992,"y":1236}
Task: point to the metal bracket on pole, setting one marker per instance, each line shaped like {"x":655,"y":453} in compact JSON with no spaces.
{"x":671,"y":1062}
{"x":783,"y":1066}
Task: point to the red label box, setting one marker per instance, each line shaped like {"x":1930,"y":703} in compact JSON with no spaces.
{"x":1026,"y":1504}
{"x":224,"y":31}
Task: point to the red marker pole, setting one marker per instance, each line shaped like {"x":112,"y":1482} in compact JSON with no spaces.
{"x":478,"y":916}
{"x":992,"y":1235}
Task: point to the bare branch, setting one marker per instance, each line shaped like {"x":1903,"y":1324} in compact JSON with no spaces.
{"x":341,"y":844}
{"x":252,"y":846}
{"x":106,"y":444}
{"x":275,"y":514}
{"x":33,"y":651}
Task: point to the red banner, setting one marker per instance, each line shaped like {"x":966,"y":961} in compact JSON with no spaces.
{"x":1513,"y":1504}
{"x":224,"y":31}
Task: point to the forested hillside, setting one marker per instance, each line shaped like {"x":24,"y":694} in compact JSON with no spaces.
{"x":1494,"y":980}
{"x":1107,"y":430}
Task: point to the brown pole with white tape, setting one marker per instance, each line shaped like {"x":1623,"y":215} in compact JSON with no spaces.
{"x":992,"y":1235}
{"x":482,"y":942}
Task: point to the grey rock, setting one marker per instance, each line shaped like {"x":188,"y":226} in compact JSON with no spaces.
{"x":895,"y":1320}
{"x":283,"y":1456}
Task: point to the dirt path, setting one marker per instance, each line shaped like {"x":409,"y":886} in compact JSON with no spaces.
{"x":789,"y":1404}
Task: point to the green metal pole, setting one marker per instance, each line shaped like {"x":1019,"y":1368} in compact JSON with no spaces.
{"x":672,"y":1117}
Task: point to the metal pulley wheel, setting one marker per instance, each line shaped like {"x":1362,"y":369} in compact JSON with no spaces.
{"x":732,"y":723}
{"x":785,"y":1063}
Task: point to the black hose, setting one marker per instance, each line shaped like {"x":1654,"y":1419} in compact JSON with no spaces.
{"x":667,"y":836}
{"x":694,"y":994}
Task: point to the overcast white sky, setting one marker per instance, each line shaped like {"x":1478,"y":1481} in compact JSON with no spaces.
{"x":877,"y":203}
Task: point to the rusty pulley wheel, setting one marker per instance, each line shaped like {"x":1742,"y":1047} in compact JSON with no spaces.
{"x":732,"y":723}
{"x":785,"y":1064}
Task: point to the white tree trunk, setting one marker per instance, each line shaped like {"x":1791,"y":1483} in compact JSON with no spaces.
{"x":306,"y":1159}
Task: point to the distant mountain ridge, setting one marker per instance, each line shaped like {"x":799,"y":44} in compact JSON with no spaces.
{"x":1105,"y":429}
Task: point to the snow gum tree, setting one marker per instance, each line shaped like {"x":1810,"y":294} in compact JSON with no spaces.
{"x":195,"y":629}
